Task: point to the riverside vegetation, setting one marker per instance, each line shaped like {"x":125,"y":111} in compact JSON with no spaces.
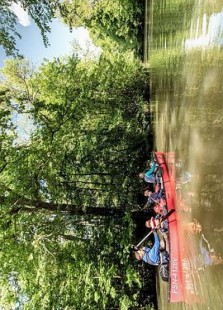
{"x":68,"y":188}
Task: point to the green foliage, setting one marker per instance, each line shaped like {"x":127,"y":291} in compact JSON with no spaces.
{"x":93,"y":109}
{"x":82,"y":154}
{"x":61,"y":248}
{"x":112,"y":25}
{"x":54,"y":273}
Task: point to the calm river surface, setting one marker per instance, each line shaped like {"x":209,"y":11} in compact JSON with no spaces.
{"x":185,"y":58}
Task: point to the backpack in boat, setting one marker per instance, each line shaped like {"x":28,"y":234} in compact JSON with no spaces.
{"x":164,"y":266}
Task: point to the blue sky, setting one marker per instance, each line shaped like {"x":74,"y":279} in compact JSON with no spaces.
{"x":31,"y":45}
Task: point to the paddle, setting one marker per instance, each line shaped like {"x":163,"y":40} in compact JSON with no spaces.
{"x":163,"y":218}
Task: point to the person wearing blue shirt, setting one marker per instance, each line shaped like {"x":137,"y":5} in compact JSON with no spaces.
{"x":150,"y":255}
{"x":150,"y":176}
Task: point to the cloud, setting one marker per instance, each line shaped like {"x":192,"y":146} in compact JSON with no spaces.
{"x":23,"y":17}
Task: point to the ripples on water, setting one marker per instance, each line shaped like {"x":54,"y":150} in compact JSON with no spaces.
{"x":186,"y":61}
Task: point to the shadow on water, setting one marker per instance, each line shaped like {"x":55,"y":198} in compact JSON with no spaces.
{"x":186,"y":61}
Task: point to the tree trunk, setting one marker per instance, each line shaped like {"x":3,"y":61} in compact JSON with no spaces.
{"x":21,"y":204}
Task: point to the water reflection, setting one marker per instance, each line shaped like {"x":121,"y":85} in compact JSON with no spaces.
{"x":186,"y":60}
{"x":206,"y":32}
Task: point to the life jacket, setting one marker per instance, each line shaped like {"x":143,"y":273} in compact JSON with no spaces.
{"x":160,"y":207}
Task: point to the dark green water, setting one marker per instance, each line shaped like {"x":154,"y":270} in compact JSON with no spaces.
{"x":185,"y":57}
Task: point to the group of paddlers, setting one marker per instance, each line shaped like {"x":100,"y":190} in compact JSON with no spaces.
{"x":157,"y":224}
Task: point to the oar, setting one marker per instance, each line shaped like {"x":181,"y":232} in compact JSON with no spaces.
{"x":164,"y":217}
{"x":136,"y":247}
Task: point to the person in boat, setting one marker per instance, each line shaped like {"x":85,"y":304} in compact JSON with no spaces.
{"x":150,"y":175}
{"x":157,"y":223}
{"x":154,"y":197}
{"x":150,"y":255}
{"x":160,"y":207}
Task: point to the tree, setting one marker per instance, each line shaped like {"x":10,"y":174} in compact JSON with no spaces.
{"x":41,"y":268}
{"x":112,"y":25}
{"x":66,"y":194}
{"x":42,"y":12}
{"x":68,"y":103}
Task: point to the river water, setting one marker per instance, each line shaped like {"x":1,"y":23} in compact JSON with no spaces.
{"x":185,"y":58}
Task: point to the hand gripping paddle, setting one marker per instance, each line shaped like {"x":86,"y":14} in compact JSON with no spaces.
{"x":163,"y":218}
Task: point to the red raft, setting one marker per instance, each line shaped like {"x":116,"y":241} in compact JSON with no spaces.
{"x":181,"y":286}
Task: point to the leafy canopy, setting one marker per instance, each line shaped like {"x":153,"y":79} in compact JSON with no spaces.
{"x":61,"y":187}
